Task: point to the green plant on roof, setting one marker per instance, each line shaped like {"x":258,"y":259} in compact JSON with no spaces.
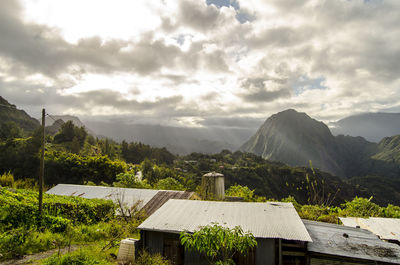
{"x":219,"y":244}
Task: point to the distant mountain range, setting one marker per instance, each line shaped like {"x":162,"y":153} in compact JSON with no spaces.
{"x":178,"y":140}
{"x":372,"y":126}
{"x":295,"y":138}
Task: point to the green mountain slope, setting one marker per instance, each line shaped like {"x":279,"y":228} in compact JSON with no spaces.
{"x":389,"y":150}
{"x":10,"y":113}
{"x":295,"y":138}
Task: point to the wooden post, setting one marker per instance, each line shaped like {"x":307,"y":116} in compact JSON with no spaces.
{"x":41,"y":172}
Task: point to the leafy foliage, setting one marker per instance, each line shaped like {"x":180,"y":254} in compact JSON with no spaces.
{"x":19,"y":208}
{"x":131,"y":180}
{"x":169,"y":184}
{"x":145,"y":258}
{"x":219,"y":243}
{"x":80,"y":257}
{"x":138,"y":152}
{"x":63,"y":167}
{"x":244,"y":192}
{"x":71,"y":136}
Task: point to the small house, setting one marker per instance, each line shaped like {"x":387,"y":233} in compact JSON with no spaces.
{"x":281,"y":235}
{"x":338,"y":244}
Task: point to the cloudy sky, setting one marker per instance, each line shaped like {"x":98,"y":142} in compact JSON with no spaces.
{"x":200,"y":63}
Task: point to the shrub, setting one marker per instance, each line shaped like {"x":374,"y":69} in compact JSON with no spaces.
{"x":169,"y":184}
{"x":144,"y":258}
{"x":20,"y":208}
{"x":80,"y":257}
{"x":219,"y":243}
{"x":361,"y":207}
{"x":313,"y":212}
{"x":55,"y":224}
{"x":7,"y":180}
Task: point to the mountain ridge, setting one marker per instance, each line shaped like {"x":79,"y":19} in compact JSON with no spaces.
{"x":295,"y":138}
{"x":10,"y":113}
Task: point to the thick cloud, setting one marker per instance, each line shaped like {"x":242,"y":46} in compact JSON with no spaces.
{"x":212,"y":61}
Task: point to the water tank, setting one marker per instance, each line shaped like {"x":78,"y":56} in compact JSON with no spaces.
{"x":213,"y":186}
{"x":126,"y":252}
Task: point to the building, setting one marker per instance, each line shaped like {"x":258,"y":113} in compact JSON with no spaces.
{"x":385,"y":228}
{"x":337,"y":244}
{"x":146,"y":199}
{"x":279,"y":231}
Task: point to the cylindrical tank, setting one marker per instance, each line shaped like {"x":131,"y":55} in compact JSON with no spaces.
{"x":126,"y":252}
{"x":213,"y":186}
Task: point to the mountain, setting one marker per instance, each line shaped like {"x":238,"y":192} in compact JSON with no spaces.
{"x":54,"y":123}
{"x":371,"y":126}
{"x":389,"y":150}
{"x":295,"y":138}
{"x":10,"y":113}
{"x":178,"y":140}
{"x":55,"y":127}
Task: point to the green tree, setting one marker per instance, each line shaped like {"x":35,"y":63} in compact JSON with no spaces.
{"x":244,"y":192}
{"x":71,"y":136}
{"x":130,"y":180}
{"x":361,"y":207}
{"x":9,"y":130}
{"x":219,"y":244}
{"x":169,"y":184}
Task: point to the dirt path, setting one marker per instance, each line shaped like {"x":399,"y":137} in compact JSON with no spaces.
{"x":31,"y":259}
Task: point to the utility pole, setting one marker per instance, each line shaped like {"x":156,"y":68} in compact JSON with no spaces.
{"x":41,"y":172}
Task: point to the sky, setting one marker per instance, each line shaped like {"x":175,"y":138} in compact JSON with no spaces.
{"x":200,"y":63}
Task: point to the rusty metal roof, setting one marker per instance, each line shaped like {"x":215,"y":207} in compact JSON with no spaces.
{"x":162,"y":197}
{"x":338,"y":240}
{"x":263,"y":220}
{"x":385,"y":228}
{"x":148,"y":199}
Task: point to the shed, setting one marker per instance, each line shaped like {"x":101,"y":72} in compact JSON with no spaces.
{"x":275,"y":225}
{"x":385,"y":228}
{"x":337,"y":244}
{"x":146,"y":199}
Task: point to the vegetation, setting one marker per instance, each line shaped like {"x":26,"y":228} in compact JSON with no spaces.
{"x":219,"y":244}
{"x":73,"y":156}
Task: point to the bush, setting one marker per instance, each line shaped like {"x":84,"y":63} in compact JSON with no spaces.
{"x":169,"y":184}
{"x":144,"y":258}
{"x":361,"y":207}
{"x":80,"y":257}
{"x":7,"y":180}
{"x":392,"y":211}
{"x":55,"y":224}
{"x":313,"y":212}
{"x":19,"y":208}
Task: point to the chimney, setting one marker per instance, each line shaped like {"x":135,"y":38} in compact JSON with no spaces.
{"x":213,"y":186}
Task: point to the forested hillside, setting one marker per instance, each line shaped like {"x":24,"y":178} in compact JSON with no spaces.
{"x":10,"y":114}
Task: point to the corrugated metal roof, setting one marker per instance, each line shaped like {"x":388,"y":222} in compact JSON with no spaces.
{"x":162,"y":197}
{"x":129,"y":197}
{"x":385,"y":228}
{"x":350,"y":242}
{"x":263,"y":220}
